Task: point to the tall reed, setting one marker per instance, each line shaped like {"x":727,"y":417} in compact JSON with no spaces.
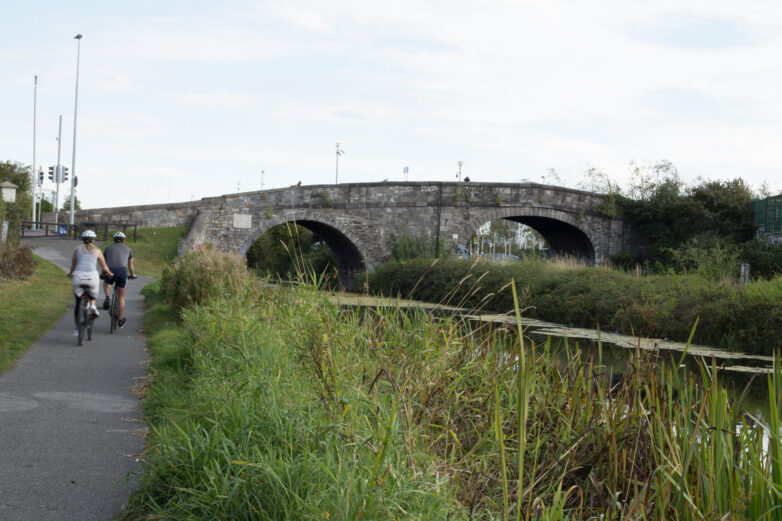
{"x":286,"y":406}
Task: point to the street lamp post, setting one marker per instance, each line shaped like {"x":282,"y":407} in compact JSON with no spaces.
{"x":339,"y":153}
{"x":35,"y":120}
{"x":75,"y":110}
{"x":58,"y":175}
{"x":459,"y":173}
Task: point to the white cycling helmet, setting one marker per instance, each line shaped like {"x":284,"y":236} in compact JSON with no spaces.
{"x":88,"y":235}
{"x":119,"y":235}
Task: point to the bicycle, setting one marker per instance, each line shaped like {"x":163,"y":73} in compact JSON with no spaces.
{"x":86,"y":318}
{"x":114,"y":307}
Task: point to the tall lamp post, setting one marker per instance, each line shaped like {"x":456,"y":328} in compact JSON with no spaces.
{"x":75,"y":111}
{"x":459,"y":173}
{"x":339,"y":153}
{"x":35,"y":120}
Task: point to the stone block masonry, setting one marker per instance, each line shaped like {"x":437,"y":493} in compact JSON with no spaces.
{"x":357,"y":221}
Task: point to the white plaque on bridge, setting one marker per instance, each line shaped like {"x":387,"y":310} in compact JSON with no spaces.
{"x":243,"y":220}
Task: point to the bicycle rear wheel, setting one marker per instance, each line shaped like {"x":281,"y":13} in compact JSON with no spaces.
{"x":113,"y":311}
{"x":90,"y":320}
{"x":82,"y":320}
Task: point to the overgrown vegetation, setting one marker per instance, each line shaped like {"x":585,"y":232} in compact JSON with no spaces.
{"x":405,"y":245}
{"x":202,"y":274}
{"x":30,"y":307}
{"x":707,"y":227}
{"x":288,"y":249}
{"x":746,"y":317}
{"x":273,"y":403}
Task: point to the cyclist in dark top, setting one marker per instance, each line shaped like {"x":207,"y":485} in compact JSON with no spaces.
{"x":120,"y":261}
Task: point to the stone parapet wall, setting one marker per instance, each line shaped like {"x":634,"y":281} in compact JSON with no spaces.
{"x":153,"y":215}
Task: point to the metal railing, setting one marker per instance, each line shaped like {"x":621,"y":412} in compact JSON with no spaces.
{"x":32,"y":229}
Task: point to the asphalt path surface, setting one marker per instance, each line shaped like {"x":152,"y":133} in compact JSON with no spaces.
{"x":71,"y":429}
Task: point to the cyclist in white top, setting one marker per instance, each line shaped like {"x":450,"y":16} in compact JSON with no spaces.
{"x":84,"y":270}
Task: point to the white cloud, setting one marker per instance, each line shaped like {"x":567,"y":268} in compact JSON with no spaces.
{"x":512,"y":88}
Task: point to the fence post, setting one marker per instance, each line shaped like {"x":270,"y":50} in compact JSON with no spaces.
{"x":744,"y":273}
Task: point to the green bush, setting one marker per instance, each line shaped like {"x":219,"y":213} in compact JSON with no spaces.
{"x":206,"y":272}
{"x":674,"y":214}
{"x":713,"y":257}
{"x":764,"y":258}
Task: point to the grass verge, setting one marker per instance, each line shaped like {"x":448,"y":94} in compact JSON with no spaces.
{"x":29,"y":308}
{"x":154,"y":247}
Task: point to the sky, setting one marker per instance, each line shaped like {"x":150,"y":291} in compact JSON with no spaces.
{"x":180,"y":100}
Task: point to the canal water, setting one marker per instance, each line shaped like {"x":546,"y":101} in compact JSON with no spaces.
{"x":738,"y":370}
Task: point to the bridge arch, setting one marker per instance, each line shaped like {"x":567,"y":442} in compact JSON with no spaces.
{"x":565,"y":234}
{"x":345,"y":245}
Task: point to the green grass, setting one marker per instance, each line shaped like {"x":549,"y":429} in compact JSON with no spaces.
{"x":29,"y":308}
{"x":154,"y":247}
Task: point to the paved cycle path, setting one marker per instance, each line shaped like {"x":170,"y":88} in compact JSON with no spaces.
{"x":70,"y":427}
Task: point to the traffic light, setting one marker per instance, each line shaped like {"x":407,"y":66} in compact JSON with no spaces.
{"x":64,"y":174}
{"x":75,"y":181}
{"x":40,"y":176}
{"x":51,"y":173}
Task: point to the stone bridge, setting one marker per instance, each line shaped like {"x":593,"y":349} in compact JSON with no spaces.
{"x":358,"y":221}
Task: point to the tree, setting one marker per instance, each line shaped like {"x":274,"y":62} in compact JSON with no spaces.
{"x":15,"y":213}
{"x":67,"y":204}
{"x":287,"y":249}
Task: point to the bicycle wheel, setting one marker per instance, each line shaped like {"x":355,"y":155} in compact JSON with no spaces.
{"x":113,"y":311}
{"x":90,"y":320}
{"x":82,"y":320}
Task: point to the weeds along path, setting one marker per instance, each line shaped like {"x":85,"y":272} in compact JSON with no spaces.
{"x":71,"y":429}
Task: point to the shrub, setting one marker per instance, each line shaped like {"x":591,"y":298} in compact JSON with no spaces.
{"x":764,"y":258}
{"x":710,"y":256}
{"x":16,"y":263}
{"x":624,"y":260}
{"x":204,"y":273}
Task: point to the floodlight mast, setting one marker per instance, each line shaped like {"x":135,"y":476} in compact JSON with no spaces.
{"x":75,"y":110}
{"x":57,"y":174}
{"x":35,"y":128}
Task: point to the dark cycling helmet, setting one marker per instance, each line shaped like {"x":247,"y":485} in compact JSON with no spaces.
{"x":119,"y":237}
{"x":88,"y":236}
